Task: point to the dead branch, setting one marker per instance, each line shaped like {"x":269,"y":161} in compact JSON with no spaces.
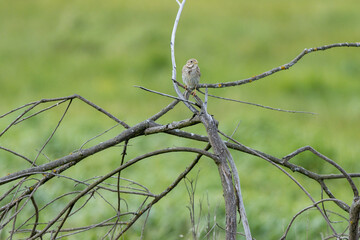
{"x":280,"y":68}
{"x":307,"y":208}
{"x":31,"y":179}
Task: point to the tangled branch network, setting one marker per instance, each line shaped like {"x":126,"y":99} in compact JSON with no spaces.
{"x":33,"y":206}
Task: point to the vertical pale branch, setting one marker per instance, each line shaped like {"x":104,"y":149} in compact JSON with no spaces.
{"x":220,"y":150}
{"x":172,"y":49}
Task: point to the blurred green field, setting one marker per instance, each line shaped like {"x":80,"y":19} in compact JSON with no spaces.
{"x":100,"y":50}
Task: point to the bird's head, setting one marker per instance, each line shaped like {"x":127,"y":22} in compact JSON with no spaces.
{"x":192,"y":62}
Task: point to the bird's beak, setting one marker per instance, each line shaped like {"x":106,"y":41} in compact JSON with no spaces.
{"x":195,"y":62}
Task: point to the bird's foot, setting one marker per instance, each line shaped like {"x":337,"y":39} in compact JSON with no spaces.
{"x":194,"y":92}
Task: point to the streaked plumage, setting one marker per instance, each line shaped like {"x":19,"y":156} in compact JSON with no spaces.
{"x":191,"y":74}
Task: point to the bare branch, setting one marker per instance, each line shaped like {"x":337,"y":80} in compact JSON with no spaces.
{"x":77,"y":230}
{"x":206,"y":98}
{"x":165,"y":95}
{"x":307,"y":208}
{"x":43,"y":110}
{"x":62,"y":99}
{"x":164,"y":110}
{"x":338,"y":176}
{"x":16,"y":154}
{"x":277,"y":69}
{"x":33,"y":231}
{"x":337,"y":166}
{"x":101,"y":110}
{"x":172,"y":49}
{"x":173,"y":125}
{"x":291,"y":166}
{"x":257,"y":105}
{"x":164,"y":193}
{"x":292,"y":178}
{"x":354,"y":219}
{"x":99,"y":135}
{"x":19,"y":196}
{"x":79,"y":155}
{"x":16,"y":119}
{"x":127,"y":164}
{"x":52,"y":134}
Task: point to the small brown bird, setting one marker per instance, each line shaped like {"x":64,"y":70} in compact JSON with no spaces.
{"x":191,"y":75}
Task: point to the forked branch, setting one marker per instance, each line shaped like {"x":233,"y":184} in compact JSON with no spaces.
{"x":35,"y":177}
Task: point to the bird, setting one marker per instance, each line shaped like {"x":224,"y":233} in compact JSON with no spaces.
{"x":191,"y":75}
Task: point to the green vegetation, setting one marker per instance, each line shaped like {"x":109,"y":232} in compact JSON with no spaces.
{"x":100,"y":50}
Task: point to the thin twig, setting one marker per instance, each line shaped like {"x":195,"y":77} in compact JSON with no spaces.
{"x":62,"y":222}
{"x":99,"y":135}
{"x":233,"y":133}
{"x":53,"y":132}
{"x":36,"y":216}
{"x":257,"y":153}
{"x":164,"y":110}
{"x":16,"y":154}
{"x":143,"y":227}
{"x":110,"y":174}
{"x":43,"y":110}
{"x":291,"y":177}
{"x":165,"y":95}
{"x":258,"y":105}
{"x":337,"y":166}
{"x":79,"y":155}
{"x":307,"y":208}
{"x":16,"y":119}
{"x":165,"y":192}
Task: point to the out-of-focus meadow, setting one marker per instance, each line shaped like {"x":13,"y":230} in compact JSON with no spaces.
{"x":101,"y":49}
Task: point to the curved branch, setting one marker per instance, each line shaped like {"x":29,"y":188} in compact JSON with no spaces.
{"x":280,"y":68}
{"x":337,"y":166}
{"x":307,"y":208}
{"x":293,"y":179}
{"x":164,"y":193}
{"x":172,"y":49}
{"x":127,"y":164}
{"x":293,"y":167}
{"x":79,"y":155}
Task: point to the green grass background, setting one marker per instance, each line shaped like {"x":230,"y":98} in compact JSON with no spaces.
{"x":100,"y":50}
